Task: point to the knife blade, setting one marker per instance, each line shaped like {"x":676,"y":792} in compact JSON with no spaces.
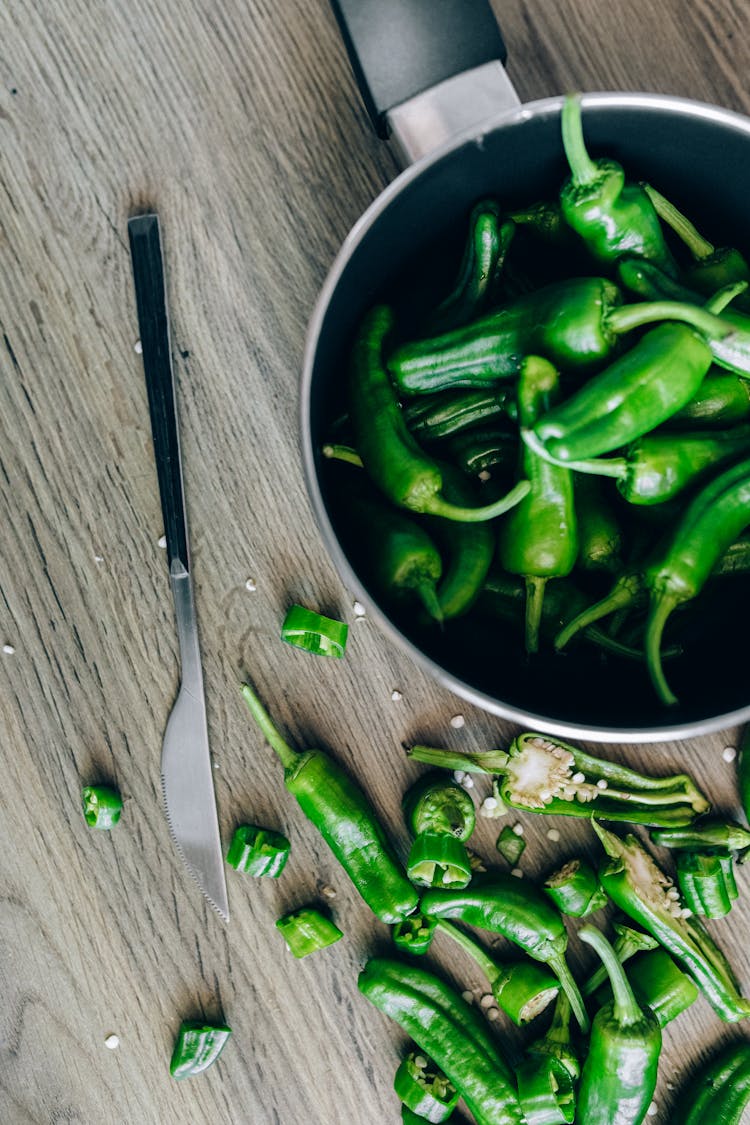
{"x":186,"y":773}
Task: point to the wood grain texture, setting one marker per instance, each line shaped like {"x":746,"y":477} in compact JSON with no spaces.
{"x":240,"y":123}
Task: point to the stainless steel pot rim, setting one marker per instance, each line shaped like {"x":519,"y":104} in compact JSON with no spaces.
{"x":542,"y":107}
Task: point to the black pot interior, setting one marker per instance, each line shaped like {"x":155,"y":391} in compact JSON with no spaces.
{"x":409,"y":255}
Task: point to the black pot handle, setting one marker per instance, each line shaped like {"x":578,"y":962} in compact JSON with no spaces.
{"x":400,"y":48}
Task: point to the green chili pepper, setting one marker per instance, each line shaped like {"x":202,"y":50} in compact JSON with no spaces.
{"x":641,"y":890}
{"x":575,"y":889}
{"x":487,"y":449}
{"x":414,"y":934}
{"x":628,"y":593}
{"x":706,"y":881}
{"x":557,"y":1042}
{"x":600,"y":539}
{"x":719,"y":1091}
{"x":539,"y":539}
{"x":424,"y":1089}
{"x":659,"y":466}
{"x":433,"y":417}
{"x":522,"y":989}
{"x":258,"y":851}
{"x":616,"y":219}
{"x":401,"y":470}
{"x":451,"y":1033}
{"x":723,"y":399}
{"x":659,"y":984}
{"x":619,"y":1074}
{"x":735,"y":560}
{"x":338,"y":808}
{"x":712,"y":267}
{"x":545,"y":220}
{"x":545,"y":1091}
{"x":713,"y":520}
{"x":102,"y":806}
{"x":466,"y":549}
{"x":510,"y":845}
{"x":627,"y":943}
{"x":307,"y":930}
{"x":440,"y":815}
{"x":487,"y":244}
{"x":706,"y":834}
{"x":521,"y":913}
{"x":198,"y":1046}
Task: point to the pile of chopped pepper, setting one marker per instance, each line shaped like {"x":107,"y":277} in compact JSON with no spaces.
{"x":525,"y":428}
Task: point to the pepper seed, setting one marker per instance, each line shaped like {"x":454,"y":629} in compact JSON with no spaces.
{"x":458,"y":721}
{"x":493,"y":1014}
{"x":468,"y":996}
{"x":487,"y":1000}
{"x":8,"y":650}
{"x":553,"y":835}
{"x":729,"y":753}
{"x":112,"y":1041}
{"x":396,"y":695}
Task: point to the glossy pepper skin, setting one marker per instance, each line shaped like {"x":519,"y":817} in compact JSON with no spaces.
{"x":520,"y":912}
{"x":545,"y":1091}
{"x":712,"y":521}
{"x":706,"y":880}
{"x":424,"y":1089}
{"x":197,"y":1047}
{"x":450,"y":1031}
{"x":722,"y":400}
{"x":616,"y":219}
{"x":433,"y":417}
{"x":407,"y":475}
{"x":641,"y":890}
{"x":486,"y":449}
{"x":574,"y":889}
{"x":338,"y":808}
{"x":719,"y":1091}
{"x":658,"y":984}
{"x":600,"y":538}
{"x":619,"y":1074}
{"x":558,"y":1042}
{"x":539,"y":538}
{"x":466,"y":549}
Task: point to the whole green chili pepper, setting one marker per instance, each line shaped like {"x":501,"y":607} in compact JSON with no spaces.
{"x":723,"y":399}
{"x":391,"y":456}
{"x":574,"y":888}
{"x":641,"y":890}
{"x":522,"y":989}
{"x":450,"y":1031}
{"x":706,"y":881}
{"x":719,"y":1091}
{"x":414,"y":934}
{"x":338,"y":808}
{"x":433,"y":417}
{"x":512,"y":907}
{"x":600,"y":539}
{"x":545,"y":1091}
{"x":198,"y":1046}
{"x":616,"y":219}
{"x":486,"y":449}
{"x":466,"y":549}
{"x":619,"y":1074}
{"x":557,"y":1042}
{"x":627,"y":943}
{"x":706,"y":834}
{"x":487,"y":244}
{"x":659,"y":984}
{"x":659,"y":466}
{"x":713,"y":520}
{"x":539,"y":539}
{"x":712,"y":267}
{"x":424,"y":1089}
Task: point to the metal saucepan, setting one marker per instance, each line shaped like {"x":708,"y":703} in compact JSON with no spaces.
{"x":432,"y":77}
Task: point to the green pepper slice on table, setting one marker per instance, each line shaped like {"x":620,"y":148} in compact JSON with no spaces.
{"x":720,"y":834}
{"x":574,"y":888}
{"x":545,"y":1091}
{"x":557,"y":1042}
{"x":424,"y":1089}
{"x":197,"y":1047}
{"x":414,"y":934}
{"x":719,"y":1091}
{"x":260,"y":852}
{"x":619,"y":1075}
{"x":440,"y":815}
{"x":706,"y":881}
{"x":307,"y":930}
{"x":338,"y":808}
{"x":102,"y":806}
{"x":539,"y":538}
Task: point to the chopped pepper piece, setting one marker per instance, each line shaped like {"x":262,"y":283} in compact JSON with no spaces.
{"x":545,"y":1091}
{"x":441,"y":815}
{"x":258,"y":851}
{"x":438,"y":860}
{"x":424,"y":1089}
{"x":307,"y":930}
{"x":510,"y":845}
{"x":197,"y":1047}
{"x":575,"y":889}
{"x":102,"y":806}
{"x":706,"y":880}
{"x":706,"y":834}
{"x":311,"y":631}
{"x":557,"y":1042}
{"x":414,"y":934}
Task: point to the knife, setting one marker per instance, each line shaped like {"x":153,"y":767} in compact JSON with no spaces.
{"x":186,"y":774}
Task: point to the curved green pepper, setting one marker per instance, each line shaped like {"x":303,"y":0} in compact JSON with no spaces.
{"x":437,"y":416}
{"x":466,"y":549}
{"x":487,"y":244}
{"x":600,"y":538}
{"x":719,"y":1091}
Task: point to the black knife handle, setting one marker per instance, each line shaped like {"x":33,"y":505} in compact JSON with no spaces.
{"x":153,"y":322}
{"x":400,"y":48}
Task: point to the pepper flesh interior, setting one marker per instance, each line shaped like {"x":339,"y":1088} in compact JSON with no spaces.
{"x":543,"y":771}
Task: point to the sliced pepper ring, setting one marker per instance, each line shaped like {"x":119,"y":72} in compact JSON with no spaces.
{"x":438,"y":860}
{"x":424,"y":1089}
{"x":311,"y":631}
{"x":545,"y":1091}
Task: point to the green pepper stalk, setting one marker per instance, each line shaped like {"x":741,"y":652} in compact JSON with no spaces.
{"x":707,"y":834}
{"x":722,"y":400}
{"x":628,"y":593}
{"x":414,"y":934}
{"x":434,"y":417}
{"x":440,"y":815}
{"x":488,"y":242}
{"x":706,"y":881}
{"x":307,"y":930}
{"x":197,"y":1047}
{"x":522,"y":989}
{"x":658,"y":984}
{"x":641,"y":890}
{"x":628,"y":942}
{"x":520,"y":912}
{"x":619,"y":1074}
{"x":466,"y":549}
{"x":423,"y":1088}
{"x":600,"y":539}
{"x":575,"y":889}
{"x":450,"y":1032}
{"x":407,"y":475}
{"x":712,"y":267}
{"x":719,"y":1091}
{"x":616,"y":219}
{"x":338,"y":808}
{"x":557,"y":1042}
{"x":660,"y":466}
{"x":545,"y":1091}
{"x":713,"y":520}
{"x":539,"y":538}
{"x":258,"y":851}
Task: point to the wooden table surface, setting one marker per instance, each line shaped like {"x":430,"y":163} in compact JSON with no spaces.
{"x":240,"y":122}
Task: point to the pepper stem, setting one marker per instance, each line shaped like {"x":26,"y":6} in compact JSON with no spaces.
{"x":559,"y":967}
{"x":616,"y":467}
{"x":488,"y":761}
{"x":623,"y":595}
{"x":437,"y":506}
{"x":535,"y":588}
{"x":583,"y":169}
{"x":626,"y":317}
{"x":337,"y":452}
{"x":627,"y":943}
{"x":724,"y":296}
{"x":698,"y":246}
{"x":660,"y":611}
{"x":626,"y":1010}
{"x":474,"y":950}
{"x":287,"y":754}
